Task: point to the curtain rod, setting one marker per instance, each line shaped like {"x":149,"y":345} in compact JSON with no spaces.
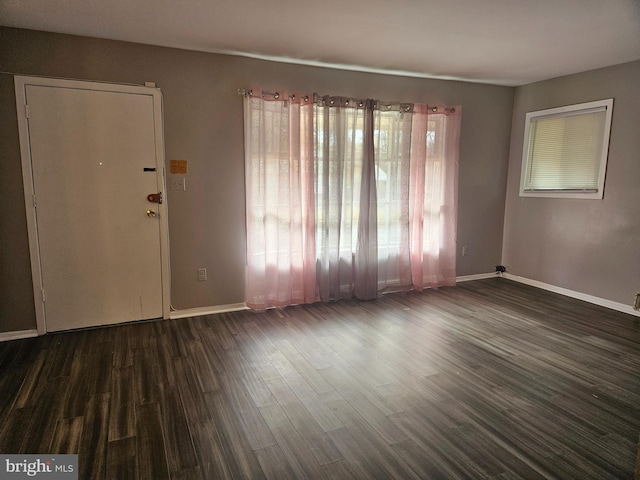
{"x":407,"y":107}
{"x":249,"y":93}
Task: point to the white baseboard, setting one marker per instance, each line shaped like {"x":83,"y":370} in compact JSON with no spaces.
{"x":196,"y":312}
{"x":17,"y":335}
{"x":603,"y":302}
{"x":477,"y":276}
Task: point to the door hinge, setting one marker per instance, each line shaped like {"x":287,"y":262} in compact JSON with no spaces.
{"x":26,"y":110}
{"x":44,"y":298}
{"x":35,"y":202}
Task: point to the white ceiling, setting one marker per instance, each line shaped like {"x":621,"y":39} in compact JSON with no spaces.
{"x":505,"y":42}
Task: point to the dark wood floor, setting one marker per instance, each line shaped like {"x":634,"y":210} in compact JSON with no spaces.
{"x":490,"y":379}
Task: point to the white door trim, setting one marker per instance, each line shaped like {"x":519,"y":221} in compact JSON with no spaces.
{"x":21,"y":83}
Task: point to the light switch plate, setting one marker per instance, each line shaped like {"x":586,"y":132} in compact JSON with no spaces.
{"x":178,"y":183}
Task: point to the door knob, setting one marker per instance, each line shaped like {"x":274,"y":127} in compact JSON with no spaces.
{"x":151,"y":213}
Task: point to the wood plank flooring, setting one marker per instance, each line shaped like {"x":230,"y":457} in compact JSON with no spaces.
{"x":489,"y":379}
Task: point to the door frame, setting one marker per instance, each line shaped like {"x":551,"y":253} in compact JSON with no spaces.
{"x":21,"y":82}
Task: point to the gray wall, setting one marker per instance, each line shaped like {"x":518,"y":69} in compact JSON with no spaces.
{"x":203,"y":124}
{"x":589,"y":246}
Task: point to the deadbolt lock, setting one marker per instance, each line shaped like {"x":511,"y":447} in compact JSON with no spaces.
{"x":155,"y":197}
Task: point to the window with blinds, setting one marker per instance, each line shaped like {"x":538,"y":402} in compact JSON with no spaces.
{"x":565,"y":151}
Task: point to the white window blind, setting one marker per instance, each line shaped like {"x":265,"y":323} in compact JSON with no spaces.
{"x":565,"y":151}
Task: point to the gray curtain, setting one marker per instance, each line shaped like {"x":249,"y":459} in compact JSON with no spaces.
{"x":365,"y":265}
{"x":345,"y":189}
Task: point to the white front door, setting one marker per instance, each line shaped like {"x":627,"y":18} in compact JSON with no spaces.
{"x":98,"y":245}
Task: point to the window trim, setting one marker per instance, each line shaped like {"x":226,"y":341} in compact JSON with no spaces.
{"x":565,"y":111}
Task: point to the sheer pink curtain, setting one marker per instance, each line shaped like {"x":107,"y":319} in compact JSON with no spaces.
{"x":393,"y":176}
{"x":348,"y":198}
{"x":434,"y":195}
{"x":280,"y":200}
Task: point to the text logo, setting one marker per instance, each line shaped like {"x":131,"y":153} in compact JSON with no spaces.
{"x":50,"y":467}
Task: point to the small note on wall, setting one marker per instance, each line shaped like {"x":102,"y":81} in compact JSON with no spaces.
{"x":178,"y":166}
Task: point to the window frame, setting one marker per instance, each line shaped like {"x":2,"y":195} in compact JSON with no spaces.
{"x":565,"y":111}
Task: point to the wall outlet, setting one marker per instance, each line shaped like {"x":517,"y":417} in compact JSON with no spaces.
{"x":202,"y":274}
